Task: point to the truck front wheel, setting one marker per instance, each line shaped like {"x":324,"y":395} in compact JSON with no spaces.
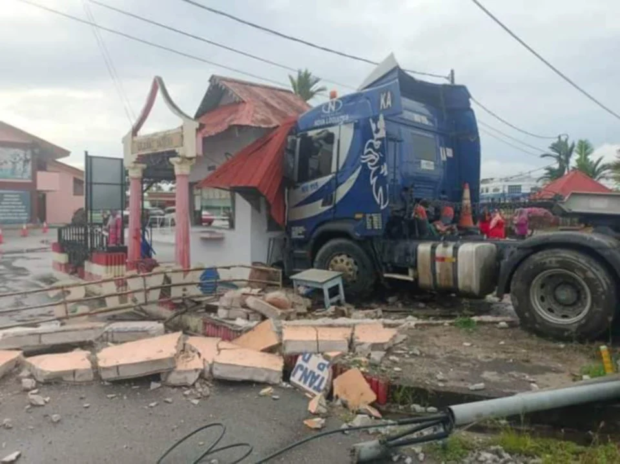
{"x":563,"y":294}
{"x":346,"y":256}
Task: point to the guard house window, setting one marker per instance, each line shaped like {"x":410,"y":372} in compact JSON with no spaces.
{"x":316,"y":152}
{"x":424,"y":147}
{"x":514,"y":189}
{"x":78,"y":187}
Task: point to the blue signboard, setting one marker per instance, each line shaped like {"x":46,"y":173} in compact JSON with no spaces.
{"x":14,"y":207}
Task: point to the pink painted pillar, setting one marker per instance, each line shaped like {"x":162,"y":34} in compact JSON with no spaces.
{"x":182,"y":167}
{"x":135,"y":207}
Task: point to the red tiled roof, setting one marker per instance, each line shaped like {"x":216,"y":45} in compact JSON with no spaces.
{"x":258,"y":166}
{"x":253,"y":105}
{"x":573,"y":181}
{"x":12,"y":134}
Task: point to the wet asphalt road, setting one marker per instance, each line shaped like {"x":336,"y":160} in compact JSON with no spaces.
{"x":125,"y":429}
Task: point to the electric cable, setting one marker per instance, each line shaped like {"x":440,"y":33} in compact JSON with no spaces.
{"x":301,"y":41}
{"x":488,"y":126}
{"x":490,"y":134}
{"x":546,"y":62}
{"x":152,"y":44}
{"x":211,"y":42}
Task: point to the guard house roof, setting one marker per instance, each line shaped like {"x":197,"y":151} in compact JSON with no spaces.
{"x":573,"y":181}
{"x":232,"y":102}
{"x":13,"y":135}
{"x":258,"y":168}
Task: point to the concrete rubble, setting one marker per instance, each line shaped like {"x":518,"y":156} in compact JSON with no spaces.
{"x":69,"y":367}
{"x":373,"y":337}
{"x":189,"y":366}
{"x":248,"y":365}
{"x":39,"y":338}
{"x":263,"y":337}
{"x":8,"y":361}
{"x":307,"y":339}
{"x":128,"y":331}
{"x":353,"y":390}
{"x":207,"y":349}
{"x":140,"y":358}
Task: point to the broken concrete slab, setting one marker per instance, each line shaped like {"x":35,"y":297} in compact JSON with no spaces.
{"x":307,"y":339}
{"x":279,"y":299}
{"x":266,"y":309}
{"x":373,"y":337}
{"x":207,"y":348}
{"x":261,"y":338}
{"x":352,"y":388}
{"x":8,"y":361}
{"x":248,"y":365}
{"x":31,"y":339}
{"x":140,"y":358}
{"x":231,"y":299}
{"x":316,"y":423}
{"x":69,"y":367}
{"x":233,"y":313}
{"x":318,"y":405}
{"x":189,"y":367}
{"x":129,"y":331}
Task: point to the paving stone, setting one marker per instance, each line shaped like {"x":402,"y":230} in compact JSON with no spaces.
{"x":307,"y":339}
{"x":188,"y":368}
{"x":248,"y":365}
{"x":9,"y":360}
{"x":140,"y":358}
{"x":70,"y":367}
{"x":261,"y":338}
{"x":207,"y":348}
{"x":128,"y":331}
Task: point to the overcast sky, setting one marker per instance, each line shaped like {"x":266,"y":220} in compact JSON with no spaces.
{"x":54,"y":82}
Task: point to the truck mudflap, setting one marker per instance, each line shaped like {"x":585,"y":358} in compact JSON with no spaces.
{"x":604,"y":248}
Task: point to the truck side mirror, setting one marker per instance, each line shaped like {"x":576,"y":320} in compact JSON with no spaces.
{"x":289,"y":159}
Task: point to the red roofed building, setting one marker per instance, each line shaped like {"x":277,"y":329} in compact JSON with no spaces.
{"x":34,"y":186}
{"x":233,"y":114}
{"x":573,"y":181}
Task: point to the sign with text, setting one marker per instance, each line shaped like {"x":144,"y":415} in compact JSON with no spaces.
{"x":15,"y":164}
{"x":158,"y":142}
{"x":311,"y":373}
{"x":14,"y":207}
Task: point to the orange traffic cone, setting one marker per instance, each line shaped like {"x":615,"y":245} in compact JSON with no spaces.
{"x":24,"y":232}
{"x":1,"y":237}
{"x":466,"y":220}
{"x":45,"y":228}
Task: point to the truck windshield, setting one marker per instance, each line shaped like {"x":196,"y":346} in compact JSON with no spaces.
{"x":316,"y":150}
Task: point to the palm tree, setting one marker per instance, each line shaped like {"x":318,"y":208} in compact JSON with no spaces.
{"x":614,"y":168}
{"x":597,"y":170}
{"x":562,"y":153}
{"x":304,"y":85}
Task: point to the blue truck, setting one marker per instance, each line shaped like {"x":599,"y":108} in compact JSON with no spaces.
{"x":356,"y":169}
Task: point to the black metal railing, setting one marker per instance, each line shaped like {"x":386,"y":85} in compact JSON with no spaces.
{"x":80,"y":241}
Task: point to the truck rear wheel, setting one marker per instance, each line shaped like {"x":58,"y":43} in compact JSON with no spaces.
{"x":563,"y":294}
{"x":348,"y":257}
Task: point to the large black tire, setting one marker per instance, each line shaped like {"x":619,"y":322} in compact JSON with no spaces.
{"x":564,"y":294}
{"x":349,"y":258}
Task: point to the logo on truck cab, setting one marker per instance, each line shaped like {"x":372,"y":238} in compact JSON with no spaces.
{"x":385,"y":101}
{"x":332,"y":106}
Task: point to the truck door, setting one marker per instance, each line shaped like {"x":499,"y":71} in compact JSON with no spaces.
{"x":426,"y":164}
{"x":313,"y":197}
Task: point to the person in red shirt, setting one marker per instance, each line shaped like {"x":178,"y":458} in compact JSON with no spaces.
{"x":497,"y":228}
{"x":115,"y":229}
{"x":484,"y":223}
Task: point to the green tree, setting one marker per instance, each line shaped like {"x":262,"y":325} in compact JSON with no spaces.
{"x":305,"y":85}
{"x":614,"y":169}
{"x":595,"y":169}
{"x":561,"y":152}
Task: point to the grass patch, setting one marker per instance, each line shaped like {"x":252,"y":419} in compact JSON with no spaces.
{"x":455,"y":449}
{"x":593,"y":370}
{"x":465,"y":323}
{"x":552,"y":451}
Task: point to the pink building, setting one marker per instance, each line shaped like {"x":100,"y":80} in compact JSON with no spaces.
{"x":68,"y":196}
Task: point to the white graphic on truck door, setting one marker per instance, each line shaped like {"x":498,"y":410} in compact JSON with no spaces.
{"x":374,"y":158}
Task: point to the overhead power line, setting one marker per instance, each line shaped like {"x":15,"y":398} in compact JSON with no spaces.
{"x":537,"y":55}
{"x":152,"y":44}
{"x":527,"y":152}
{"x":107,"y":58}
{"x":499,"y":118}
{"x":298,"y":40}
{"x":482,"y":123}
{"x":210,"y":42}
